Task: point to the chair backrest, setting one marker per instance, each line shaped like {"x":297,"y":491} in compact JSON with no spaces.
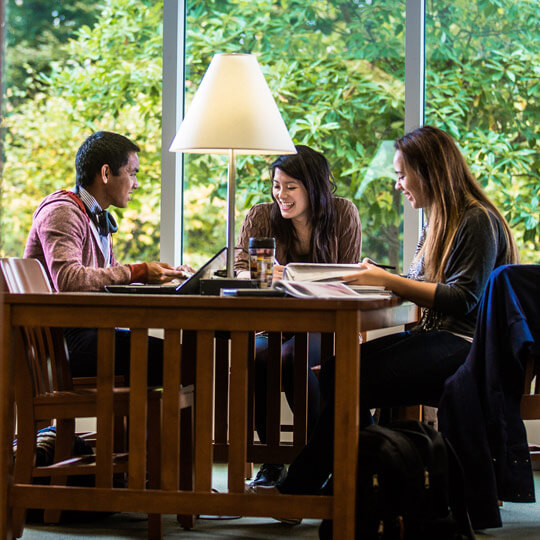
{"x":46,"y":368}
{"x":24,"y":275}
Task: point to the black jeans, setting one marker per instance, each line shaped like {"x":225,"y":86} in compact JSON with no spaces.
{"x":287,"y":370}
{"x":396,"y":370}
{"x":82,"y":348}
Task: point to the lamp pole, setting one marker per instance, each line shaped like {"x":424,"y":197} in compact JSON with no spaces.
{"x":231,"y":194}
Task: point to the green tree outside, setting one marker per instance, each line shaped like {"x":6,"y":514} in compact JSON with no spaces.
{"x":111,"y":81}
{"x":483,"y":86}
{"x":36,"y":29}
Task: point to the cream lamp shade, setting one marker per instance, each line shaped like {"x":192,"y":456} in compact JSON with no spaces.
{"x":233,"y":109}
{"x":233,"y":112}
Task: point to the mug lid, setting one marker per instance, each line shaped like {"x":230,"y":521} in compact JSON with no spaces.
{"x":260,"y":242}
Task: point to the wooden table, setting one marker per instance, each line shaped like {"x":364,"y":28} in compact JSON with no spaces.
{"x":202,"y":315}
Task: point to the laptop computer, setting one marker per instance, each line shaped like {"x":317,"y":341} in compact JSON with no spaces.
{"x":189,"y":286}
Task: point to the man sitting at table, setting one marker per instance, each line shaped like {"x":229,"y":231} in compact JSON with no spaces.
{"x":71,"y":237}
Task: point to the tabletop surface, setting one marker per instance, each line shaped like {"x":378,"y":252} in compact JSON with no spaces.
{"x":186,"y":301}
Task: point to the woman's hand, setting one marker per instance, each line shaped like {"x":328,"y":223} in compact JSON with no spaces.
{"x":277,"y":272}
{"x":370,"y":275}
{"x":243,"y":274}
{"x":419,"y":292}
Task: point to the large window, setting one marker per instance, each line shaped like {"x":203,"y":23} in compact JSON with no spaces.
{"x":74,"y":68}
{"x":482,"y":85}
{"x":336,"y":70}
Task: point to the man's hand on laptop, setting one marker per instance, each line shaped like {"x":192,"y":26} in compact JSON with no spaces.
{"x":160,"y":272}
{"x":187,"y":271}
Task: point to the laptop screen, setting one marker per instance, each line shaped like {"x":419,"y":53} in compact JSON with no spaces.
{"x":206,"y":271}
{"x":189,"y":286}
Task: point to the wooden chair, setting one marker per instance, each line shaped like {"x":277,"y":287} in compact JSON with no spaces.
{"x":530,"y":401}
{"x":277,"y":450}
{"x":45,"y":391}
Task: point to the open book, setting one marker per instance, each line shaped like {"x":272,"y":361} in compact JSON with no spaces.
{"x":311,"y":280}
{"x":321,"y":272}
{"x":311,"y":289}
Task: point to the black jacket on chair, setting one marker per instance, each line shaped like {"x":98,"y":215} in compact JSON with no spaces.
{"x":479,"y":410}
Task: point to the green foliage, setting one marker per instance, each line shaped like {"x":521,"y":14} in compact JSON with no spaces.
{"x":483,"y":86}
{"x":336,"y":70}
{"x":35,"y":31}
{"x":111,"y":81}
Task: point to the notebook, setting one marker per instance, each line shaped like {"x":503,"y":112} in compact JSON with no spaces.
{"x":189,"y":286}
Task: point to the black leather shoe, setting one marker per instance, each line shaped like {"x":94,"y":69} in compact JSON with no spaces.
{"x":269,"y":474}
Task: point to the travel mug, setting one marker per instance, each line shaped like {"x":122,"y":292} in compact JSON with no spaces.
{"x":261,"y":260}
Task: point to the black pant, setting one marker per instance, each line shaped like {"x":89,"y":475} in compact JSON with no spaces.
{"x":396,"y":370}
{"x":82,"y":348}
{"x":287,"y":370}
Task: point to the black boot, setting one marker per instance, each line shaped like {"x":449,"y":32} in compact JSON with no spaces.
{"x":269,"y":474}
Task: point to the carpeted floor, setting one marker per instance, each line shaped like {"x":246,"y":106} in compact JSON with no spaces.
{"x":521,"y":521}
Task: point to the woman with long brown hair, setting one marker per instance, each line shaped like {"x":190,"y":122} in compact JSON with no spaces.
{"x":309,"y":222}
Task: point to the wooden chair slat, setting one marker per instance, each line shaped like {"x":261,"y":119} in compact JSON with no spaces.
{"x":301,"y":366}
{"x":104,"y":407}
{"x":138,"y":409}
{"x":273,"y":392}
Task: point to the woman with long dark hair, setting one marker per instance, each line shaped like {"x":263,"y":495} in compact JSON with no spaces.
{"x":310,"y":224}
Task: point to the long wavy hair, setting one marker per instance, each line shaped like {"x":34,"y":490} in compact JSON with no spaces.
{"x":312,"y":169}
{"x":450,"y":189}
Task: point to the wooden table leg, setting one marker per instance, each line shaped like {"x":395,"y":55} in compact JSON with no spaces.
{"x":204,"y":400}
{"x":346,"y":424}
{"x":238,"y":411}
{"x":6,"y":424}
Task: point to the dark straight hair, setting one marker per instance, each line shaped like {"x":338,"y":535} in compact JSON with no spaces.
{"x":102,"y":148}
{"x":312,"y":169}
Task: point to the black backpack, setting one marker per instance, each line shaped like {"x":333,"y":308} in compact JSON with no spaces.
{"x":410,"y":486}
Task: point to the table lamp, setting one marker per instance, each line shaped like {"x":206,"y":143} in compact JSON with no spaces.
{"x":233,"y":112}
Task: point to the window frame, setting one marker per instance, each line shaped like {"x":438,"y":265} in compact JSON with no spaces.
{"x":172,"y":164}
